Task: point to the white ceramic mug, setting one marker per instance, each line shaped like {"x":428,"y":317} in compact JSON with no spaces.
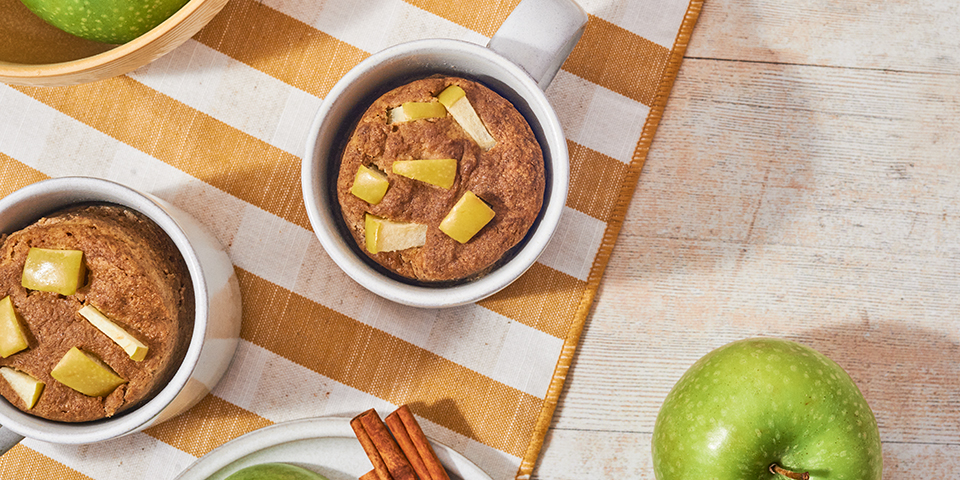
{"x":518,"y":63}
{"x":216,"y":326}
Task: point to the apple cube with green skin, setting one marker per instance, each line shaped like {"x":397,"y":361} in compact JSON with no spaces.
{"x":27,"y":387}
{"x":108,"y":21}
{"x":758,"y":402}
{"x":51,"y":270}
{"x":384,"y":235}
{"x":370,"y":185}
{"x":466,"y":218}
{"x":12,"y":338}
{"x":86,"y":374}
{"x":440,"y":172}
{"x":409,"y":111}
{"x":457,"y":103}
{"x":135,"y":348}
{"x":274,"y":471}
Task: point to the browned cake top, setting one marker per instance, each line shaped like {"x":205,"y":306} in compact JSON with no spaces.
{"x":509,"y":178}
{"x":135,"y":276}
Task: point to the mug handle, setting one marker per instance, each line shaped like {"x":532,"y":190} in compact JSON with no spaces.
{"x":539,"y":35}
{"x":8,"y":439}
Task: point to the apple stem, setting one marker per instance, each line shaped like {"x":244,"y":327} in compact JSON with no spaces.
{"x":777,"y":469}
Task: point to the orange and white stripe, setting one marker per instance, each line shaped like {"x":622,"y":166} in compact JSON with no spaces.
{"x":218,"y":127}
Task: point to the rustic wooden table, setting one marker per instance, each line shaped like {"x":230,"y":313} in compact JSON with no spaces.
{"x":804,"y":183}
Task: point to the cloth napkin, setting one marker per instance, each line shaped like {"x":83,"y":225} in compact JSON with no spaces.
{"x":218,"y":127}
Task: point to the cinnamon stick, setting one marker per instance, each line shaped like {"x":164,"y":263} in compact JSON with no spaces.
{"x":399,"y":432}
{"x":415,"y":444}
{"x":379,"y":467}
{"x":388,"y":460}
{"x":371,"y":475}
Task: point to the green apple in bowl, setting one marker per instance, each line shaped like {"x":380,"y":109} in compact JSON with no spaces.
{"x":766,"y":408}
{"x":275,"y":471}
{"x":107,"y":21}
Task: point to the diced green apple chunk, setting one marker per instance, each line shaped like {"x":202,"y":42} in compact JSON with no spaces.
{"x":27,"y":387}
{"x":409,"y":111}
{"x":50,"y":270}
{"x":370,"y":185}
{"x":450,"y":95}
{"x":384,"y":235}
{"x":135,"y":348}
{"x":467,"y":217}
{"x":86,"y":374}
{"x":457,"y":103}
{"x":440,"y":172}
{"x":12,"y":338}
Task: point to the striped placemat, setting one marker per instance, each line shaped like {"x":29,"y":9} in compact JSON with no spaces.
{"x":218,"y":127}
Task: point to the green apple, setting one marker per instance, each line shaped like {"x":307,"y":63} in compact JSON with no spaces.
{"x":51,"y":270}
{"x":27,"y":387}
{"x":370,"y":185}
{"x":274,"y":471}
{"x":86,"y":374}
{"x":466,"y":218}
{"x":383,"y":235}
{"x":12,"y":338}
{"x":108,"y":21}
{"x":135,"y":348}
{"x":459,"y":106}
{"x":409,"y":111}
{"x":439,"y":171}
{"x":760,"y":404}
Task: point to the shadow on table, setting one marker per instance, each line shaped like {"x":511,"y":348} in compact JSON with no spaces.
{"x":910,"y":376}
{"x":444,"y":412}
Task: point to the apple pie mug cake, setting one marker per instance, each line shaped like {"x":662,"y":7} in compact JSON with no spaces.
{"x":95,"y":315}
{"x":440,"y":178}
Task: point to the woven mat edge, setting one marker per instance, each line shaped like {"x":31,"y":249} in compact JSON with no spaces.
{"x":609,"y":239}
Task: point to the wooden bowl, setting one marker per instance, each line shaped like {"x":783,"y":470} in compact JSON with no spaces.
{"x":33,"y":52}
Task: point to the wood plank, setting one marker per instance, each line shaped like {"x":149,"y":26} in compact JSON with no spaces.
{"x":627,"y":455}
{"x":810,"y":156}
{"x":906,"y":35}
{"x":803,"y":184}
{"x":878,"y":327}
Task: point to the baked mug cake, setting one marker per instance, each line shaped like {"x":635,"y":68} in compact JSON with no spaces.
{"x":103,"y":305}
{"x":440,"y":179}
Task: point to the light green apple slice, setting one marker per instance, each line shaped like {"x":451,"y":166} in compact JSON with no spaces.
{"x":384,"y":235}
{"x":457,"y":103}
{"x":135,"y":348}
{"x":51,"y":270}
{"x":12,"y":338}
{"x":467,"y":217}
{"x":370,"y":185}
{"x":440,"y":172}
{"x":409,"y":111}
{"x":86,"y":374}
{"x":450,"y":95}
{"x":27,"y":387}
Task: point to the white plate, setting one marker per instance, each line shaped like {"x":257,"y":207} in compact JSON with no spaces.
{"x":326,"y":445}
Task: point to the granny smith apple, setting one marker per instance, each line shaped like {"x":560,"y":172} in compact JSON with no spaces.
{"x":760,"y":404}
{"x":275,"y":471}
{"x":108,"y":21}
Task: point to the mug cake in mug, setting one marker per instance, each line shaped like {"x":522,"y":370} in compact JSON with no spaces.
{"x":440,"y":179}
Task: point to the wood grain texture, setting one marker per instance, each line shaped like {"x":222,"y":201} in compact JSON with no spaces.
{"x":804,"y":183}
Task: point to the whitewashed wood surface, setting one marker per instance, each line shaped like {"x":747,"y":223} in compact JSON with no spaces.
{"x":804,"y":183}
